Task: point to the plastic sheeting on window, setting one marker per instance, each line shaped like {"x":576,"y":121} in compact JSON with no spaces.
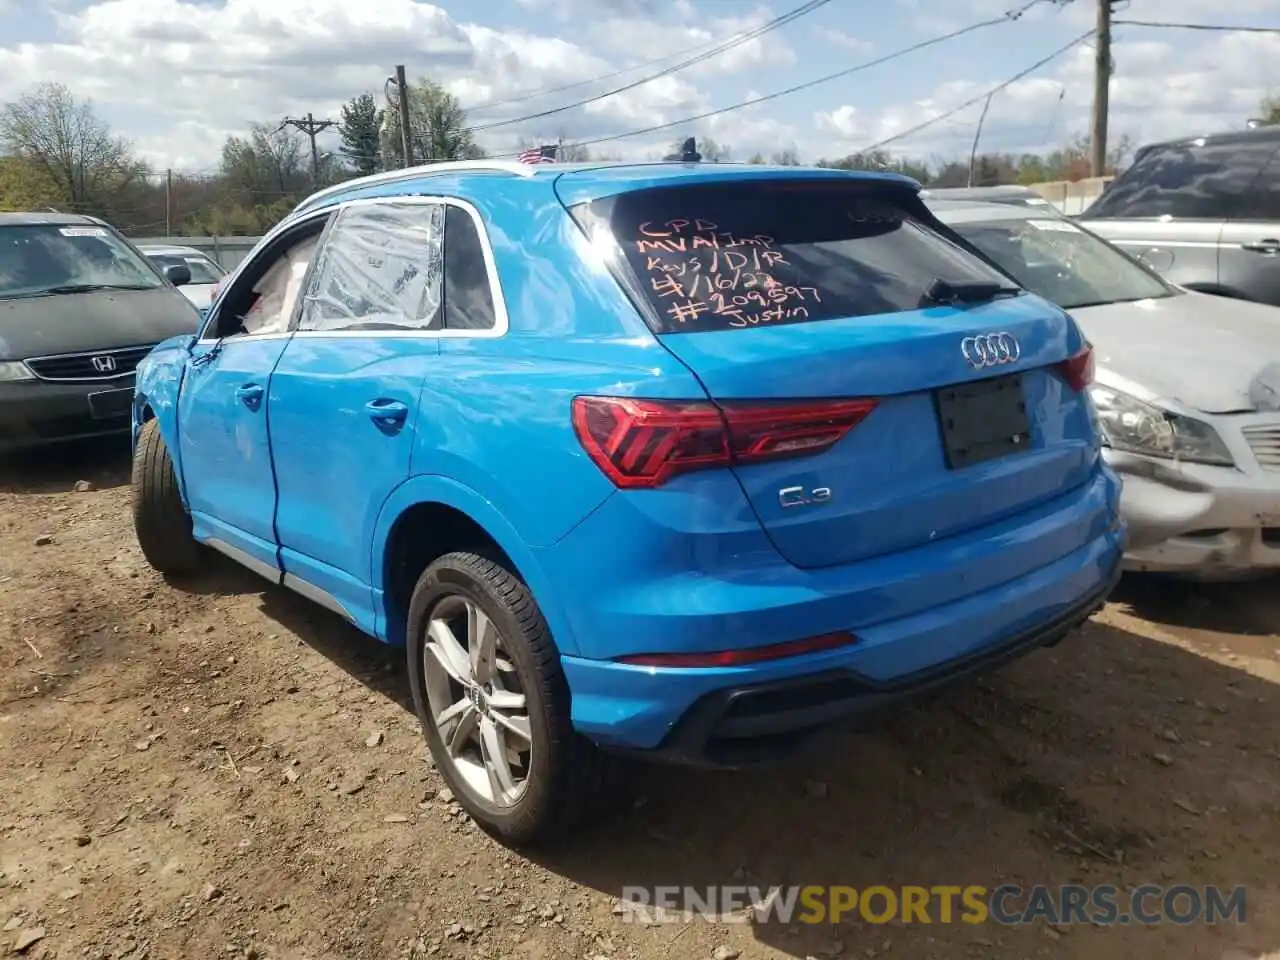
{"x":380,"y":268}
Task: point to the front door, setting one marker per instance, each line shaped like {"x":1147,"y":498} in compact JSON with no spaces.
{"x":222,"y":409}
{"x":344,"y":399}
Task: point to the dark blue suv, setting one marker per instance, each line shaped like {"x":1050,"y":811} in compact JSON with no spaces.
{"x":696,"y":461}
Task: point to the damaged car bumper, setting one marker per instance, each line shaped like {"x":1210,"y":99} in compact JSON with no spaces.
{"x":1205,"y":521}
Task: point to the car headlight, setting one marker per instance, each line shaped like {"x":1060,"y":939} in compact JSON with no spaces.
{"x":1126,"y":423}
{"x":14,"y":370}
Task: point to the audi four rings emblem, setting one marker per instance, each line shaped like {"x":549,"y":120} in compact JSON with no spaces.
{"x":990,"y":349}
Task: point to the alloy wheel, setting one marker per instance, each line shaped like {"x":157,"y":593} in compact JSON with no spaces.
{"x":476,"y":702}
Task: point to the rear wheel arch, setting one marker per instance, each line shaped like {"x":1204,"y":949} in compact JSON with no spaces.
{"x":430,"y":517}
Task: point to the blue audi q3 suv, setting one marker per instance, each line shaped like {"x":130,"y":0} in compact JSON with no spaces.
{"x":696,"y":461}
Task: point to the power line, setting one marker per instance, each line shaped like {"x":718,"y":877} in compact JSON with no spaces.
{"x":1005,"y":18}
{"x":808,"y":7}
{"x":545,"y":91}
{"x":980,"y":97}
{"x":1213,"y":27}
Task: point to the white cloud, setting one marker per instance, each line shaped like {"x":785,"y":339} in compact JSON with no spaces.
{"x":1158,"y":91}
{"x":189,"y":73}
{"x":183,"y":74}
{"x":842,"y":39}
{"x":627,"y":34}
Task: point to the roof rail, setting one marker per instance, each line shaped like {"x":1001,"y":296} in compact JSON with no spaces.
{"x":514,"y":167}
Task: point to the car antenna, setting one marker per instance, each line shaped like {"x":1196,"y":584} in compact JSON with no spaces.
{"x":688,"y":153}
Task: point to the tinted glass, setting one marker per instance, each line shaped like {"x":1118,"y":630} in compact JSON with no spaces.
{"x":468,"y":298}
{"x":37,"y":259}
{"x":751,"y":253}
{"x":1062,"y":263}
{"x":1186,"y":181}
{"x":1263,"y":201}
{"x":380,"y":268}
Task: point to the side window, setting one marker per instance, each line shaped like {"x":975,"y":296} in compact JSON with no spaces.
{"x":1263,"y":200}
{"x":380,"y":268}
{"x":468,"y":296}
{"x":1189,"y":181}
{"x":265,"y":291}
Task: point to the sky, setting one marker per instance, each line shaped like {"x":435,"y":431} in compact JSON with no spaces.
{"x":178,"y":76}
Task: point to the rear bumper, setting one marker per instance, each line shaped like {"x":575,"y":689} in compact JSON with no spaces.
{"x":762,"y":722}
{"x":36,"y":413}
{"x":735,"y":715}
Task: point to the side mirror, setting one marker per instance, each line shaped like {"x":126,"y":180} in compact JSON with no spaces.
{"x":177,"y":273}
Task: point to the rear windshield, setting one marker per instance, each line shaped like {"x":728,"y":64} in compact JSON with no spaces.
{"x":752,"y":253}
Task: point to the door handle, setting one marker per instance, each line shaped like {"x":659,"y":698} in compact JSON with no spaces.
{"x":387,"y":414}
{"x":1269,"y":247}
{"x":250,"y":395}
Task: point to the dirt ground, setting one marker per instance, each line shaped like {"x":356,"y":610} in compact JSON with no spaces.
{"x":225,"y":770}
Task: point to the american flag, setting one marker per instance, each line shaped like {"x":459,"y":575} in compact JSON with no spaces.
{"x":543,"y":154}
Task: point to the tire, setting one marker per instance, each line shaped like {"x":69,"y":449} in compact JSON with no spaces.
{"x":160,"y":521}
{"x":563,"y":772}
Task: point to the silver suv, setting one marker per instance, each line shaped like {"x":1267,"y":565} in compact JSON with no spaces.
{"x":1204,"y":212}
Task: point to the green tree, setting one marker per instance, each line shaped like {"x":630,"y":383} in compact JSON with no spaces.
{"x":437,"y":126}
{"x":361,"y":131}
{"x":881,"y":161}
{"x":1270,"y":107}
{"x":24,"y":187}
{"x":73,"y":148}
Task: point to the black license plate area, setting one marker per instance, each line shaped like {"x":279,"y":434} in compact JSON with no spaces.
{"x":983,"y":420}
{"x":110,"y":404}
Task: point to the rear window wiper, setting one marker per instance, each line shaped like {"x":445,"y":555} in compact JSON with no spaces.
{"x":966,"y":291}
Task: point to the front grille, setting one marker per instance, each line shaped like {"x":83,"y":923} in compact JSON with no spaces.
{"x":1264,"y":441}
{"x":88,"y":366}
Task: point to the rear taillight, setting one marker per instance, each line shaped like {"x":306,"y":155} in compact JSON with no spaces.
{"x":1077,"y":370}
{"x":744,"y":657}
{"x":643,"y":443}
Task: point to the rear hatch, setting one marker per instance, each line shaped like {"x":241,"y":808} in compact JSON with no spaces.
{"x":881,"y":386}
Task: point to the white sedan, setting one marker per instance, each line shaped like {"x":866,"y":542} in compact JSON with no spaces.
{"x":205,"y":273}
{"x":1187,"y":391}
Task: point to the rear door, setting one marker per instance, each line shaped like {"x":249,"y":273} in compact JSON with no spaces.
{"x":809,"y":291}
{"x":1250,"y":260}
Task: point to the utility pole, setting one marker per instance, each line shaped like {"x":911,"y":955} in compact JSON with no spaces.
{"x":977,"y":135}
{"x":1101,"y":90}
{"x":402,"y":102}
{"x":168,"y":203}
{"x":311,"y":127}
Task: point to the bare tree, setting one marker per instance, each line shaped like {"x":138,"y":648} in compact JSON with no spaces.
{"x":66,"y":140}
{"x":268,"y":164}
